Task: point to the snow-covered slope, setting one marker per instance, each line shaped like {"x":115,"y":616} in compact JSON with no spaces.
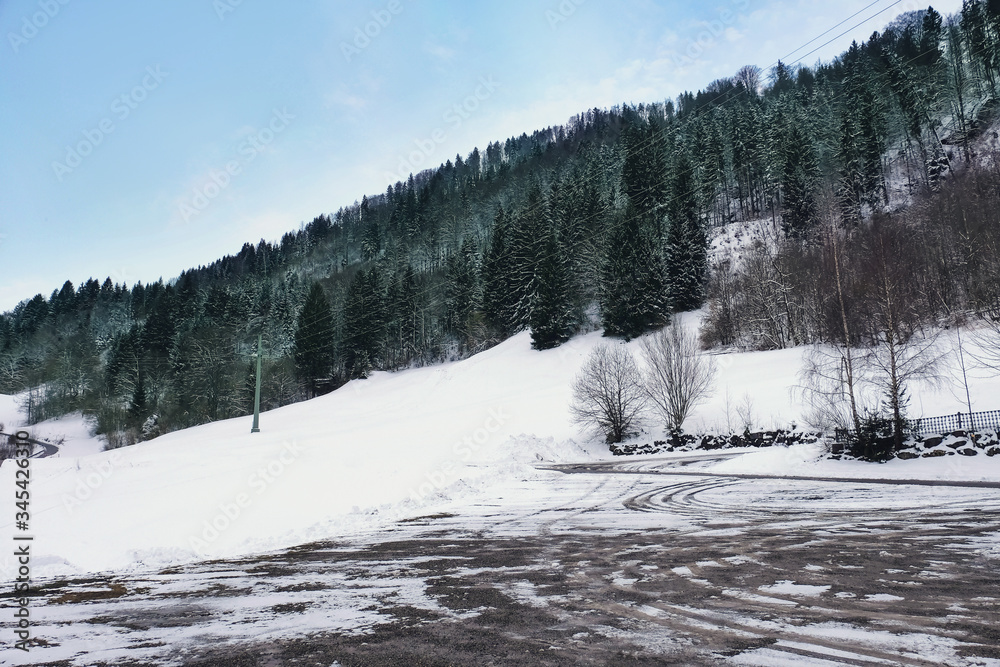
{"x":72,"y":432}
{"x":316,"y":468}
{"x":370,"y":453}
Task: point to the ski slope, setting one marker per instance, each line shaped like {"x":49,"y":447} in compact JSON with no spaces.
{"x":377,"y":451}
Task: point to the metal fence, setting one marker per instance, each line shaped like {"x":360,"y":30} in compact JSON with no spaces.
{"x":960,"y":421}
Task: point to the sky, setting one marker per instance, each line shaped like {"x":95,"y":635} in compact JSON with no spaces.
{"x":139,"y":139}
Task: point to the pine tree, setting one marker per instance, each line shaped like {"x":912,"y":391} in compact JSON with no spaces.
{"x":643,"y":173}
{"x":984,"y":38}
{"x":409,"y":313}
{"x":552,"y":319}
{"x":159,"y":330}
{"x":798,"y":182}
{"x":686,"y":247}
{"x":632,"y":295}
{"x":315,"y":340}
{"x":462,"y":289}
{"x":138,"y":409}
{"x":528,"y":233}
{"x":371,"y":243}
{"x":364,"y":325}
{"x":930,"y":39}
{"x":782,"y":79}
{"x":499,"y":305}
{"x":862,"y":138}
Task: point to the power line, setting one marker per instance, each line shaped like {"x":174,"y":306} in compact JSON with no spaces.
{"x":828,"y":31}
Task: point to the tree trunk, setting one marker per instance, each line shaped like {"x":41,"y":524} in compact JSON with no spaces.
{"x":848,"y":360}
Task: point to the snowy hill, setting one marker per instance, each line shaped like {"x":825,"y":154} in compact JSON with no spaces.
{"x":72,"y":432}
{"x":369,"y":454}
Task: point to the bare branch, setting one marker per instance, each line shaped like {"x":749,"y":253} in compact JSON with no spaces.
{"x":608,"y":392}
{"x":679,"y":376}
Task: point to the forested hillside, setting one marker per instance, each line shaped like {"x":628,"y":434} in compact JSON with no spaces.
{"x":874,"y":182}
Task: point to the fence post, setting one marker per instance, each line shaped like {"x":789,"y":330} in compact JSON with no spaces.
{"x":959,"y":421}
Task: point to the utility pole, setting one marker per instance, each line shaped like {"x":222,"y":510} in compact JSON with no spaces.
{"x":256,"y":394}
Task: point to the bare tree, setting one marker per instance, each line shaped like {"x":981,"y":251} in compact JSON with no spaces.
{"x":679,"y":376}
{"x":746,"y":414}
{"x":608,"y":392}
{"x":748,"y":76}
{"x":901,"y":350}
{"x":895,"y":363}
{"x":829,"y":387}
{"x":830,"y":381}
{"x":986,"y":352}
{"x":959,"y":349}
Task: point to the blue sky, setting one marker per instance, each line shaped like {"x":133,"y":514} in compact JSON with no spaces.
{"x":138,"y":139}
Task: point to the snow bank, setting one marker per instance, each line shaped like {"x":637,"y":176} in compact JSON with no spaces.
{"x":810,"y":461}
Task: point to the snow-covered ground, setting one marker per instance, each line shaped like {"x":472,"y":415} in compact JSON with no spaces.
{"x":381,"y":450}
{"x":71,"y":432}
{"x":811,"y":461}
{"x":687,"y":570}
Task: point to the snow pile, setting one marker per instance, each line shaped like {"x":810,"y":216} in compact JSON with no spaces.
{"x":810,"y":461}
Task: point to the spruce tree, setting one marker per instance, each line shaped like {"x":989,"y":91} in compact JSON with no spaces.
{"x":364,"y":324}
{"x":462,"y":290}
{"x":138,"y":409}
{"x":315,"y":340}
{"x":632,"y":295}
{"x":499,"y":305}
{"x":552,"y":309}
{"x":644,"y":178}
{"x":686,"y":246}
{"x":528,"y":233}
{"x":798,"y":182}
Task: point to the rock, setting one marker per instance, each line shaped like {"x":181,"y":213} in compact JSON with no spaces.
{"x":993,"y":451}
{"x":933,"y":453}
{"x":906,"y":456}
{"x":933,"y":441}
{"x":956,"y":444}
{"x":968,"y":452}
